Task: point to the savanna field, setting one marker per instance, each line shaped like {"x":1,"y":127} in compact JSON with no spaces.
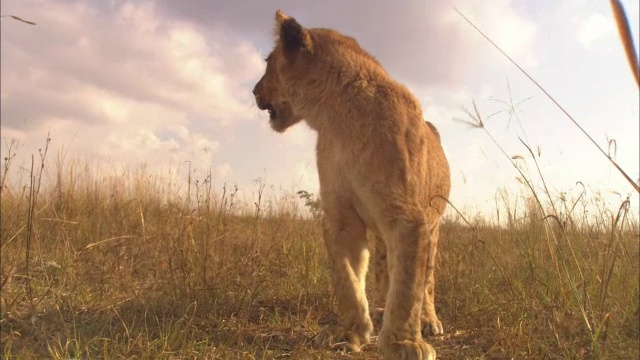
{"x":135,"y":266}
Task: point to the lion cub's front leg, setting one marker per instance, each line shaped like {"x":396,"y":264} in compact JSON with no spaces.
{"x":345,"y":238}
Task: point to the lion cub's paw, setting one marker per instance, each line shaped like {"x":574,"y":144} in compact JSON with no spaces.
{"x":431,"y":326}
{"x":408,"y":350}
{"x":338,"y":338}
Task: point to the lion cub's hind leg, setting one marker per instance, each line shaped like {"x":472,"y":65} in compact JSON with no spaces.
{"x":406,"y":236}
{"x":345,"y":236}
{"x":431,"y":325}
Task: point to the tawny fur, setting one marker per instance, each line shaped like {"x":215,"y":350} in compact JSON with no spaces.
{"x":381,"y":167}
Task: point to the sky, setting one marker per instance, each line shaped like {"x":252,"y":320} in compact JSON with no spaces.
{"x":168,"y":84}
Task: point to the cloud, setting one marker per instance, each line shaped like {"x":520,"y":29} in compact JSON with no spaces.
{"x":122,"y":82}
{"x":422,"y":42}
{"x":512,"y":31}
{"x":594,"y":29}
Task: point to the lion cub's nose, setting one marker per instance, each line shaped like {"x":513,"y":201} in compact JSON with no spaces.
{"x":255,"y":90}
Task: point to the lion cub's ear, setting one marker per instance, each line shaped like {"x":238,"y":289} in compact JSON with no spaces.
{"x":292,"y":35}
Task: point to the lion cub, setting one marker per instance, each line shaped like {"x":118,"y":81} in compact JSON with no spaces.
{"x":381,"y":167}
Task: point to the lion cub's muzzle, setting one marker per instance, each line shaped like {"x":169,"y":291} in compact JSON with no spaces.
{"x":262,"y":104}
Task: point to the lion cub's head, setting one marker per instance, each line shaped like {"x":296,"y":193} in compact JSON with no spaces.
{"x":276,"y":92}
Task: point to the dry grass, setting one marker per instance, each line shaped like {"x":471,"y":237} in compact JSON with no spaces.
{"x":127,"y":267}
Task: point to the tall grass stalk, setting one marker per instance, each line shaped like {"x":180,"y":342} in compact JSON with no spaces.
{"x":624,"y":31}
